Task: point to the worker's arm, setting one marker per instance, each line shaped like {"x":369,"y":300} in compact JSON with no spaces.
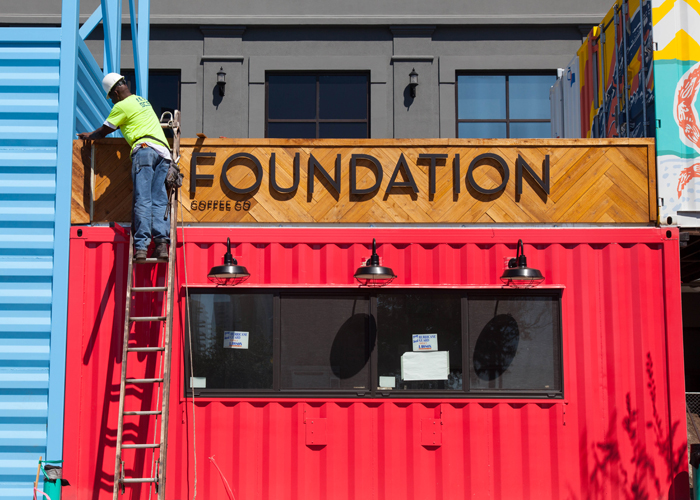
{"x":101,"y":132}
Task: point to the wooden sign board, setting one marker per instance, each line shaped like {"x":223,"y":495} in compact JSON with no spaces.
{"x":385,"y":181}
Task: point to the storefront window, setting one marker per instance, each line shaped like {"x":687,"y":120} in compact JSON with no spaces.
{"x":503,"y":106}
{"x":317,"y":105}
{"x":232,"y":344}
{"x":403,"y":318}
{"x":430,"y":343}
{"x":514,"y":344}
{"x":325,"y":342}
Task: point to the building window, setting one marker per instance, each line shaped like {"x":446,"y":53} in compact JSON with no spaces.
{"x":163,"y":90}
{"x":215,"y":317}
{"x":504,"y":105}
{"x":325,"y":342}
{"x":514,"y":343}
{"x":427,"y":343}
{"x":317,"y":105}
{"x":402,"y":315}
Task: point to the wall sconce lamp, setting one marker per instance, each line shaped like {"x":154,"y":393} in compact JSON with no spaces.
{"x":518,"y":274}
{"x":413,"y":82}
{"x":221,"y":81}
{"x":372,"y":274}
{"x":230,"y":273}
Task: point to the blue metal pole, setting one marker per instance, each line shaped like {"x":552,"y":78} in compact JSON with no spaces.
{"x":117,"y":35}
{"x":135,"y":45}
{"x":112,"y":23}
{"x":68,"y":69}
{"x":144,"y":37}
{"x":107,"y":29}
{"x":89,"y":25}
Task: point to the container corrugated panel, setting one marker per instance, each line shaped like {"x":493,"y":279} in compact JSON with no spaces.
{"x":92,"y":106}
{"x":617,"y":433}
{"x":29,"y":70}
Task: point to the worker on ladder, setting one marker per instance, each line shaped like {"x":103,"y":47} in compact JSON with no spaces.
{"x":150,"y":161}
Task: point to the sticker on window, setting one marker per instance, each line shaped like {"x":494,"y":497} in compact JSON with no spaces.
{"x":235,"y":340}
{"x":425,"y":342}
{"x":198,"y":382}
{"x":387,"y":382}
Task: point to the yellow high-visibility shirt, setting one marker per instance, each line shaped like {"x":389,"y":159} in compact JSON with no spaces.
{"x":135,"y":117}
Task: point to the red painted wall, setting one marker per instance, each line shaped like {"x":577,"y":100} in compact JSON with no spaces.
{"x":619,"y":432}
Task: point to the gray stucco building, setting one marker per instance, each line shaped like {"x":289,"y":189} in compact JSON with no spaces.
{"x":382,"y":41}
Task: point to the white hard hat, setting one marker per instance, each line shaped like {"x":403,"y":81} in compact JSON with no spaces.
{"x":109,"y":80}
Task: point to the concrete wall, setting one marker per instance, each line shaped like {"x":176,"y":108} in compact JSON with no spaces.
{"x":320,"y":12}
{"x":387,"y":53}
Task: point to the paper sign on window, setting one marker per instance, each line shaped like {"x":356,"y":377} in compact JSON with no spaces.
{"x":236,"y":340}
{"x":425,"y":365}
{"x":387,"y":382}
{"x":425,"y":342}
{"x":198,"y":382}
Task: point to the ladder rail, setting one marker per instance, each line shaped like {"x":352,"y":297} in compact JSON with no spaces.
{"x":122,"y":383}
{"x":169,"y":321}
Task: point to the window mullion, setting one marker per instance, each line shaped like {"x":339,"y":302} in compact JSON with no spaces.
{"x":318,"y":105}
{"x":276,"y":342}
{"x":507,"y":107}
{"x":466,"y":362}
{"x":373,"y":334}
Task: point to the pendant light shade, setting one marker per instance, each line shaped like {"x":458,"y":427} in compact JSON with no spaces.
{"x":518,"y":274}
{"x":230,"y":273}
{"x":372,"y":274}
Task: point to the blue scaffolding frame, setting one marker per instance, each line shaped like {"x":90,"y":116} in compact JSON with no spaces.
{"x":36,"y":156}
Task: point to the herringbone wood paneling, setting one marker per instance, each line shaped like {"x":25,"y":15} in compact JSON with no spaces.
{"x":591,"y":181}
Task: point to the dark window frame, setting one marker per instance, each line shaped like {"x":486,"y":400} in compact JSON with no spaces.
{"x":374,"y":392}
{"x":507,"y":120}
{"x":318,"y":120}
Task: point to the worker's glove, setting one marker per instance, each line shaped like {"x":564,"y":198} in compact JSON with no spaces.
{"x":173,"y":179}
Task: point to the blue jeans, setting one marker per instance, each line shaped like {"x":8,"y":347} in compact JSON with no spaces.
{"x":150,"y":217}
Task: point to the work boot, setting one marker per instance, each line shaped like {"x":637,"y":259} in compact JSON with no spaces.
{"x":161,"y":251}
{"x":140,"y":254}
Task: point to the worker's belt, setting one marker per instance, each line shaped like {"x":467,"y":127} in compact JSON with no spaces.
{"x":155,"y":139}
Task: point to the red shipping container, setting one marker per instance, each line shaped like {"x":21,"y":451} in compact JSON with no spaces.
{"x":618,"y":432}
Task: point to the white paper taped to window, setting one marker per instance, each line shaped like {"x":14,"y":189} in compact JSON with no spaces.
{"x":434,"y":365}
{"x":198,"y":382}
{"x":387,"y":382}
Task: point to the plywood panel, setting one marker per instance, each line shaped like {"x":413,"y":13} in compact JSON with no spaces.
{"x":80,"y":186}
{"x":591,"y":181}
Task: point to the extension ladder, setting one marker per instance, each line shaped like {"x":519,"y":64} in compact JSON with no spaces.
{"x":161,"y":383}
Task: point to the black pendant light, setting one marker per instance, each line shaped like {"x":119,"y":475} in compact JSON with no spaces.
{"x":230,"y":273}
{"x":372,"y":274}
{"x":518,"y":274}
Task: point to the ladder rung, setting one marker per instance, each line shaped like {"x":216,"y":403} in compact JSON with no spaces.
{"x":150,"y":260}
{"x":143,"y":380}
{"x":127,"y":480}
{"x":149,"y":412}
{"x":147,"y":318}
{"x":145,"y":349}
{"x":149,"y":289}
{"x":140,"y":446}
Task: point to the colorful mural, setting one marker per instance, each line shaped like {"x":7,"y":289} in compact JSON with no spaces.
{"x":617,"y":84}
{"x":677,"y":68}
